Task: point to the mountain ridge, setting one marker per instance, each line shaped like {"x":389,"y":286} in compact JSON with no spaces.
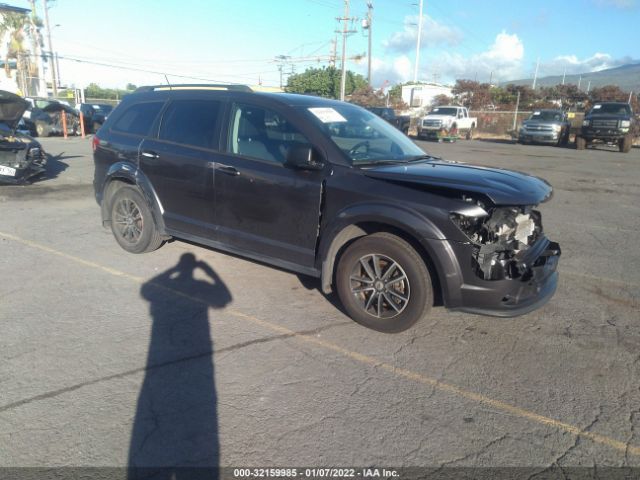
{"x":627,"y":77}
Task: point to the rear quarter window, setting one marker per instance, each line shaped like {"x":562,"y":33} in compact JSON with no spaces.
{"x":138,"y":118}
{"x":191,"y":122}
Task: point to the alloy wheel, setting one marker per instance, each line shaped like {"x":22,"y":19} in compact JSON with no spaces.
{"x":128,"y":220}
{"x":380,"y":285}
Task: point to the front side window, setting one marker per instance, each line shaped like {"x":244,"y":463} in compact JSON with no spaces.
{"x":138,"y":118}
{"x":364,"y":137}
{"x":191,"y":122}
{"x":262,"y":133}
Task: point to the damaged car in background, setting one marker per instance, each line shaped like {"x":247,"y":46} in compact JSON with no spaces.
{"x":326,"y":189}
{"x":21,"y":157}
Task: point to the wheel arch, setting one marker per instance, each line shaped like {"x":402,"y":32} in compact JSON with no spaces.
{"x":123,"y":173}
{"x":347,"y":234}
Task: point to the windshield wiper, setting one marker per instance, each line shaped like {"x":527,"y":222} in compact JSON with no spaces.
{"x":418,"y":158}
{"x":374,"y":163}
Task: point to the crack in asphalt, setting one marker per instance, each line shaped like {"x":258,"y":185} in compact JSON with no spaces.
{"x":116,"y":376}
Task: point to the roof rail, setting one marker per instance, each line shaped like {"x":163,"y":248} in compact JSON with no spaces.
{"x":194,"y":86}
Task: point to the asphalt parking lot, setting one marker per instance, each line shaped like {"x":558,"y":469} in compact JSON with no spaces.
{"x":112,"y":359}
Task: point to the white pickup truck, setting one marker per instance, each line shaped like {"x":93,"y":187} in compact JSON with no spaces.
{"x":445,"y":121}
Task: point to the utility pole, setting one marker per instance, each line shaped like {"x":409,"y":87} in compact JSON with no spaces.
{"x":281,"y":59}
{"x":535,"y":76}
{"x":54,"y":81}
{"x":334,"y":52}
{"x":515,"y":115}
{"x":42,"y":83}
{"x":345,"y":32}
{"x":369,"y":28}
{"x":415,"y":68}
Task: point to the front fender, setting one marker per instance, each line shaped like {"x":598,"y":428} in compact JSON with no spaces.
{"x":128,"y":173}
{"x":348,"y":225}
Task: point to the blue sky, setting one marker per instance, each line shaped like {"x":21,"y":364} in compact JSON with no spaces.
{"x":237,"y":40}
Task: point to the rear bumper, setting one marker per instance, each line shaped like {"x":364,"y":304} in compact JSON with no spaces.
{"x":507,"y":297}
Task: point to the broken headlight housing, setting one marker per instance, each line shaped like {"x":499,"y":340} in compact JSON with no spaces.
{"x":498,"y":237}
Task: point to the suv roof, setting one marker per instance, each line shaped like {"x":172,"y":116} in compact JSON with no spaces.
{"x":291,"y":99}
{"x":195,"y":86}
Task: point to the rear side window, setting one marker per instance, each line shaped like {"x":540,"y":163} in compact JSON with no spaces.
{"x":138,"y":118}
{"x":191,"y":122}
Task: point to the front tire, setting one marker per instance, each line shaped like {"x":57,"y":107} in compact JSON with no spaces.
{"x":383,"y":283}
{"x":625,"y":144}
{"x":132,"y":223}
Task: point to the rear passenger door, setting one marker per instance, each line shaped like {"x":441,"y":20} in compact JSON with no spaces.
{"x":179,"y":164}
{"x":262,"y":206}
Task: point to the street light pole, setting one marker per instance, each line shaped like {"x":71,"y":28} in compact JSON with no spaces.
{"x":369,"y":28}
{"x":415,"y":68}
{"x":343,"y":79}
{"x":54,"y":82}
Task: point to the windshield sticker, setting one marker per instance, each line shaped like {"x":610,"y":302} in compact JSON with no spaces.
{"x":327,"y":115}
{"x":595,"y":107}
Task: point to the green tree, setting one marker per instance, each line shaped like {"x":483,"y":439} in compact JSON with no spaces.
{"x":368,"y":97}
{"x":324,"y":82}
{"x":16,"y":25}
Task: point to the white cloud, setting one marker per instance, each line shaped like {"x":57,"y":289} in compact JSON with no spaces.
{"x":572,"y":64}
{"x":433,"y":33}
{"x":400,"y":69}
{"x":502,"y":60}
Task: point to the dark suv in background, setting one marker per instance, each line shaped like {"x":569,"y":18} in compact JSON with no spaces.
{"x":611,"y":123}
{"x":326,"y":189}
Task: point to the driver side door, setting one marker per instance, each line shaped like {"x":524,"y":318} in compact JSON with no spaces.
{"x":263,"y":207}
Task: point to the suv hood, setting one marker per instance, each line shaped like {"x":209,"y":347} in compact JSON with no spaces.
{"x":12,"y":107}
{"x":502,"y":187}
{"x":439,"y":117}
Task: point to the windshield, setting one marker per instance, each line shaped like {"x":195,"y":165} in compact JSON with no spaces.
{"x":546,"y":116}
{"x":364,"y":137}
{"x":102,"y":108}
{"x":611,"y":109}
{"x":444,"y":111}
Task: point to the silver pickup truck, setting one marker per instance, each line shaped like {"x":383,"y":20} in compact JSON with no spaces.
{"x":545,"y":126}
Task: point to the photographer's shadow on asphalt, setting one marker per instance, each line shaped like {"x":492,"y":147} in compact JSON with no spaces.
{"x":175,"y":431}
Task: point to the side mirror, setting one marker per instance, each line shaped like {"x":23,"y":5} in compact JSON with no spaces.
{"x":303,"y":158}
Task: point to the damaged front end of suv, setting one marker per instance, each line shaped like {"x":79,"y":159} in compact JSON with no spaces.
{"x":21,"y":157}
{"x":513,"y":262}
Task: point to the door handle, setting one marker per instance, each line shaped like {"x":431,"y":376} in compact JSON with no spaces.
{"x":228,"y":169}
{"x":150,"y":154}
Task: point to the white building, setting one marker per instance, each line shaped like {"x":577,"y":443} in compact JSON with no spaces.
{"x":421,"y":95}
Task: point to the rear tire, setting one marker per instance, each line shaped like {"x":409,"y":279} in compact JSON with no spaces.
{"x":132,"y":223}
{"x":581,"y":143}
{"x":390,"y":297}
{"x":625,"y":144}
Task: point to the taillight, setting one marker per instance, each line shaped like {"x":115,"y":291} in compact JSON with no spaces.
{"x":95,"y":142}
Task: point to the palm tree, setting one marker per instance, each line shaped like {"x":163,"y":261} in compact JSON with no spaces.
{"x":16,"y":25}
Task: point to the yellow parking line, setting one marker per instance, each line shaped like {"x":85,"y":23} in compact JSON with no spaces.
{"x":364,"y":359}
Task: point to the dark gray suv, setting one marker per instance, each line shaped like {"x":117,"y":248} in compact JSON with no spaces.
{"x":326,"y":189}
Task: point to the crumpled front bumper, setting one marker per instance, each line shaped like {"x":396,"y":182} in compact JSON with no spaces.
{"x":34,"y":168}
{"x":511,"y":297}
